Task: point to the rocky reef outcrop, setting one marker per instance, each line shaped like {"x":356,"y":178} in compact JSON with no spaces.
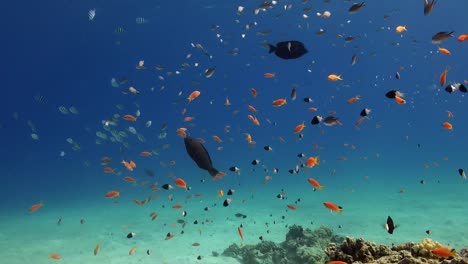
{"x":322,"y":245}
{"x":358,"y":251}
{"x":301,"y":246}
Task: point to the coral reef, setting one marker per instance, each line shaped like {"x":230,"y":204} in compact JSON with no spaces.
{"x":360,"y":251}
{"x":322,"y":245}
{"x":301,"y":246}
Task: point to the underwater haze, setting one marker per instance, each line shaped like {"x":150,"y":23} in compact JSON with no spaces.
{"x":312,"y":114}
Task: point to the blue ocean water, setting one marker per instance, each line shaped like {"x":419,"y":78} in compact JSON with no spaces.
{"x":400,"y":161}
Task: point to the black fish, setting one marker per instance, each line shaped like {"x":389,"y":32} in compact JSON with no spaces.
{"x":462,"y":173}
{"x":355,"y":7}
{"x":391,"y":94}
{"x":390,"y":226}
{"x":365,"y":112}
{"x":428,"y":6}
{"x":200,"y":155}
{"x":441,"y":36}
{"x":316,"y":120}
{"x":288,"y":49}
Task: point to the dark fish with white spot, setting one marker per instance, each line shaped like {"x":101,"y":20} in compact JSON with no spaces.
{"x":389,"y":226}
{"x":316,"y":120}
{"x":462,"y":173}
{"x":200,"y":155}
{"x":288,"y":49}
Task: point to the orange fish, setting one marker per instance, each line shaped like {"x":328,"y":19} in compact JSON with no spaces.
{"x":292,"y":206}
{"x":443,"y":77}
{"x":354,"y":99}
{"x":105,"y":160}
{"x":108,"y":170}
{"x":251,"y":108}
{"x":129,"y":179}
{"x":449,"y":114}
{"x":239,"y":230}
{"x":182,"y":132}
{"x":462,"y":37}
{"x":193,"y":95}
{"x":227,"y":103}
{"x":312,"y":161}
{"x":177,"y":206}
{"x":298,"y":129}
{"x":254,"y":120}
{"x":279,"y":102}
{"x":112,"y":194}
{"x":132,"y":251}
{"x":130,"y":165}
{"x":146,"y":153}
{"x":97,"y":248}
{"x":444,"y":51}
{"x":337,"y":262}
{"x":399,"y":100}
{"x":217,"y":139}
{"x":315,"y":183}
{"x":253,"y":92}
{"x":188,"y":118}
{"x":36,"y":207}
{"x":447,"y":125}
{"x":179,"y":182}
{"x":269,"y":75}
{"x":444,"y":252}
{"x":55,"y":256}
{"x":334,"y":77}
{"x":333,"y":207}
{"x":130,"y":118}
{"x":220,"y":193}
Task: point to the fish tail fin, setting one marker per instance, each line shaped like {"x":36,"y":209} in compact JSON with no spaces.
{"x":320,"y":187}
{"x":271,"y":48}
{"x":213,"y":172}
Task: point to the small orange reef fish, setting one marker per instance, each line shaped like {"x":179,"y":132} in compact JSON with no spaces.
{"x":130,"y":165}
{"x":333,"y":207}
{"x":179,"y":182}
{"x":130,"y":118}
{"x":269,"y":75}
{"x":462,"y":37}
{"x":291,"y":207}
{"x":55,"y":256}
{"x":315,"y":183}
{"x":36,"y":207}
{"x":108,"y":170}
{"x":132,"y":251}
{"x":239,"y":230}
{"x":129,"y":179}
{"x":400,"y":29}
{"x":399,"y":100}
{"x":97,"y":248}
{"x":253,"y":92}
{"x":354,"y":99}
{"x":279,"y":102}
{"x":146,"y":153}
{"x":312,"y":161}
{"x":254,"y":120}
{"x":443,"y":77}
{"x":447,"y":125}
{"x":444,"y":51}
{"x":298,"y":129}
{"x":193,"y":95}
{"x":337,"y":262}
{"x":444,"y":252}
{"x":334,"y":77}
{"x":112,"y":194}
